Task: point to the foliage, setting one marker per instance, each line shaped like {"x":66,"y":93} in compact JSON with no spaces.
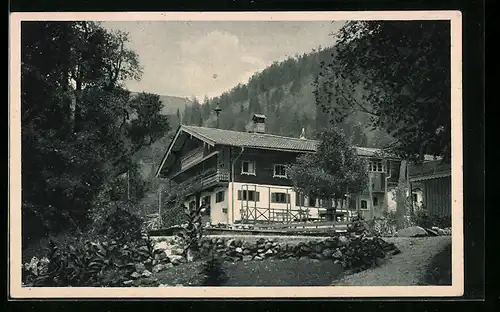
{"x":334,"y":171}
{"x":77,"y":132}
{"x":213,"y":271}
{"x":422,"y":218}
{"x":399,"y":74}
{"x":193,"y":231}
{"x":385,"y":225}
{"x":90,"y":261}
{"x":173,"y":211}
{"x":358,"y":226}
{"x":284,"y":93}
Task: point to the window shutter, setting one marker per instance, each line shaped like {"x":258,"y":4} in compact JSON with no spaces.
{"x":297,"y":199}
{"x":239,"y":194}
{"x":287,"y":198}
{"x":257,"y":196}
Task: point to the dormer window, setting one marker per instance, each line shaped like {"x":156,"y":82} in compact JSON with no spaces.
{"x":376,"y":166}
{"x":279,"y":171}
{"x":248,"y":167}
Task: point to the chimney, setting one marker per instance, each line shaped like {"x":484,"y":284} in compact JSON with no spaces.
{"x":303,"y":134}
{"x":259,"y":123}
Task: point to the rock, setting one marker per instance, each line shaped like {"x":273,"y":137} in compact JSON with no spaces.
{"x":135,"y":275}
{"x":140,"y":267}
{"x":158,"y":268}
{"x":43,"y":266}
{"x":304,"y":258}
{"x":163,"y":285}
{"x":129,"y":282}
{"x":412,"y":231}
{"x":268,"y":246}
{"x":258,"y":258}
{"x":343,"y":241}
{"x":441,"y":232}
{"x":161,"y":246}
{"x":432,"y":232}
{"x":315,"y":256}
{"x":274,"y":244}
{"x":168,"y":266}
{"x":315,"y":260}
{"x":337,"y":254}
{"x":305,"y":249}
{"x":261,"y":241}
{"x":176,"y":259}
{"x":327,"y":253}
{"x":395,"y":252}
{"x":246,"y":258}
{"x":268,"y":252}
{"x":239,"y":250}
{"x":247,"y":252}
{"x":230,"y":242}
{"x":261,"y":250}
{"x":146,"y":273}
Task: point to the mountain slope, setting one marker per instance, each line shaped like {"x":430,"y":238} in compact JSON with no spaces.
{"x":172,"y":103}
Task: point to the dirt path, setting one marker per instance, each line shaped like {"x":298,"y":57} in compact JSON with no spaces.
{"x":408,"y":268}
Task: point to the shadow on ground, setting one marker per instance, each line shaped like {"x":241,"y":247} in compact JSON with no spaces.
{"x":289,"y":272}
{"x":438,"y":272}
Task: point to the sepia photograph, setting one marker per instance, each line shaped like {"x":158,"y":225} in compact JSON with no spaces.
{"x":231,"y":154}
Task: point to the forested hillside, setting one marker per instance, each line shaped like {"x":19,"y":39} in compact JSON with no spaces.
{"x":284,"y":93}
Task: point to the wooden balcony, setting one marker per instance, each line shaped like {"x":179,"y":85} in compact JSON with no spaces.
{"x":209,"y":178}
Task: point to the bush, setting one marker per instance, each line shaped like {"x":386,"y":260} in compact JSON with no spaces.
{"x":384,"y":226}
{"x":104,"y":257}
{"x":423,"y":219}
{"x":90,"y":263}
{"x":213,"y":271}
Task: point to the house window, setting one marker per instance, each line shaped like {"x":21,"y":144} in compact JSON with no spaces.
{"x":206,"y":205}
{"x":282,"y":198}
{"x":375,"y":201}
{"x":279,"y":171}
{"x":376,"y":166}
{"x":415,"y":198}
{"x":300,"y":200}
{"x":248,"y":167}
{"x":248,"y":195}
{"x":219,"y":196}
{"x":364,"y":204}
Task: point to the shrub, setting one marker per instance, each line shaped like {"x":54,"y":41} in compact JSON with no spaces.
{"x":105,"y":256}
{"x":213,"y":271}
{"x":358,"y":226}
{"x":384,"y":226}
{"x":86,"y":263}
{"x":423,"y":219}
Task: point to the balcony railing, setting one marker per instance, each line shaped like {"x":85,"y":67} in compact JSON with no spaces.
{"x":209,"y":178}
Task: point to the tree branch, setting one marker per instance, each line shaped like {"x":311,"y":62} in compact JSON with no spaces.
{"x":363,"y":109}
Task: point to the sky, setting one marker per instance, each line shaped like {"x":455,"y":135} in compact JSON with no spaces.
{"x":198,"y":58}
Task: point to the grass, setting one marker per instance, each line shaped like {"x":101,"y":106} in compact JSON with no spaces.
{"x":438,"y":272}
{"x":269,"y":272}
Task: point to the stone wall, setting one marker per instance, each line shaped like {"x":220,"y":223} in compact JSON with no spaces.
{"x":351,"y":252}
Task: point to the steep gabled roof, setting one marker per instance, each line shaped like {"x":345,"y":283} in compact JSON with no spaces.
{"x":215,"y":136}
{"x":253,"y":140}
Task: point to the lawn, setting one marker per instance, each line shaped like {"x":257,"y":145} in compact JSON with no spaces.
{"x":268,"y":272}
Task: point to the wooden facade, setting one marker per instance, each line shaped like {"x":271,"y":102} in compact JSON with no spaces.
{"x":433,"y":179}
{"x":436,"y":195}
{"x":231,"y":168}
